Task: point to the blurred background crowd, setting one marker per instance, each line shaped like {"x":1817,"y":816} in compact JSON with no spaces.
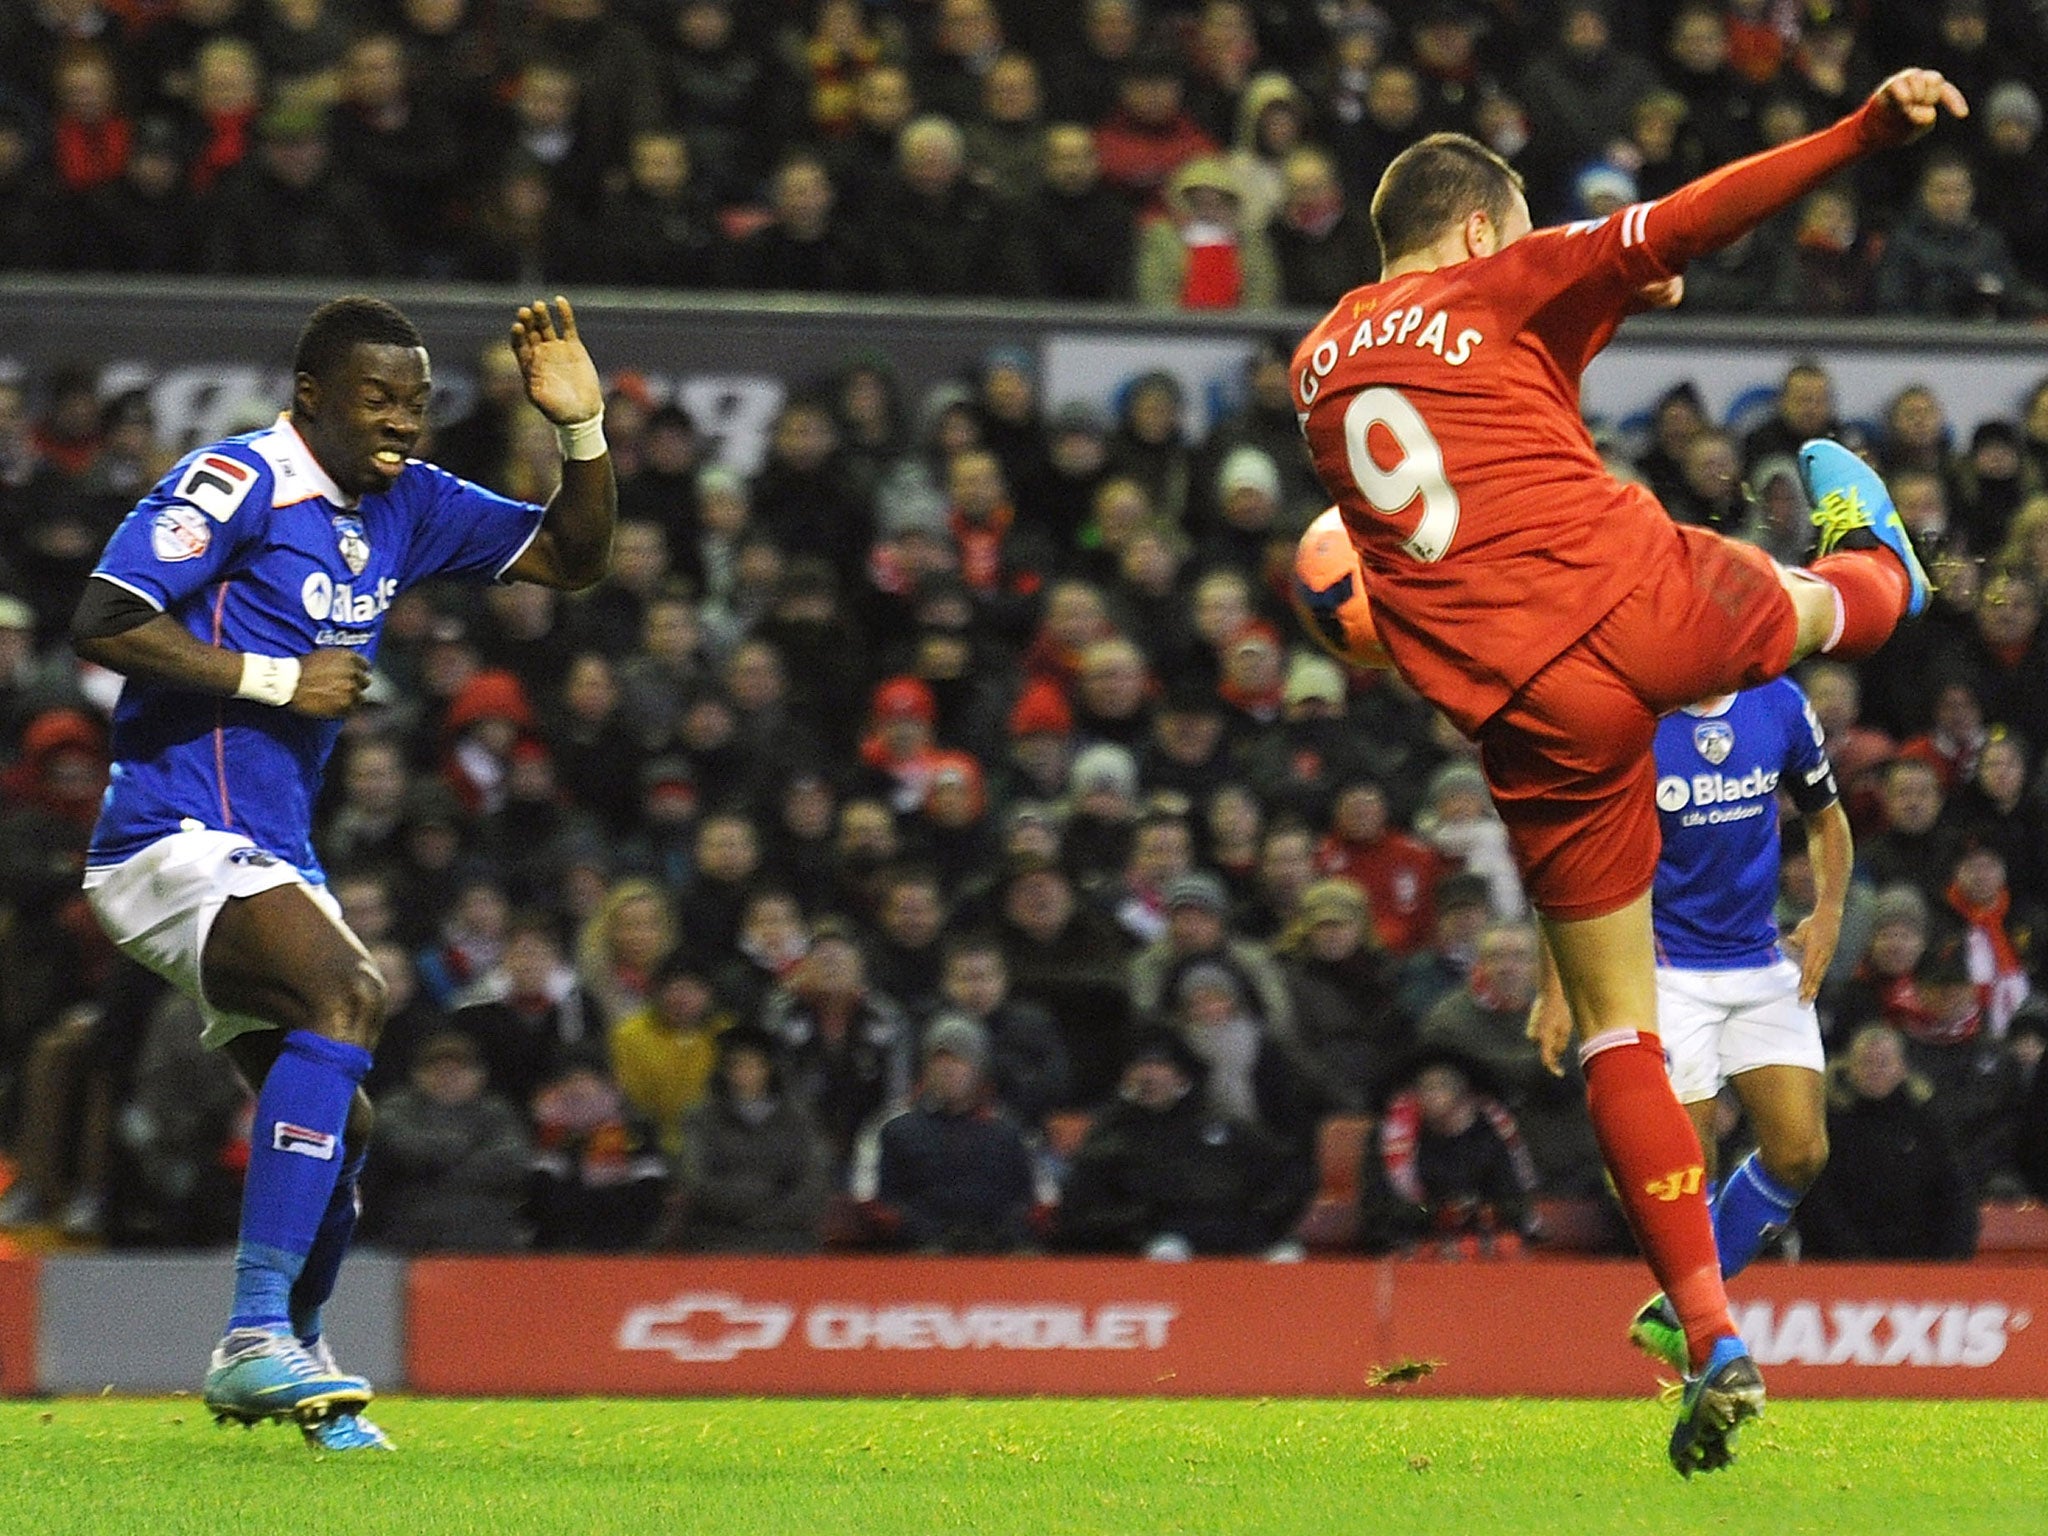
{"x":945,"y":838}
{"x":942,"y":838}
{"x":1200,"y":154}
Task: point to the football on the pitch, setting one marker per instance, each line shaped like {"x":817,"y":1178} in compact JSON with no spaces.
{"x":1329,"y":592}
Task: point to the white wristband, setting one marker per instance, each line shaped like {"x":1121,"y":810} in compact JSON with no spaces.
{"x":583,"y":439}
{"x":268,"y":679}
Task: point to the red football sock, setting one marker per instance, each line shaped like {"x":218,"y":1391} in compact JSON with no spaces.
{"x":1652,"y":1152}
{"x":1871,"y":587}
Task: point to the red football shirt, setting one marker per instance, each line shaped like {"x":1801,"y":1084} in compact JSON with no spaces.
{"x":1442,"y":411}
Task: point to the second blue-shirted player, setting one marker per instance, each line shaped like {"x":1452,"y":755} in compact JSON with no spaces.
{"x":1732,"y":1005}
{"x":242,"y":599}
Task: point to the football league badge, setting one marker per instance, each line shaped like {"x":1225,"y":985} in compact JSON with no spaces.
{"x":1715,"y":739}
{"x":355,"y":544}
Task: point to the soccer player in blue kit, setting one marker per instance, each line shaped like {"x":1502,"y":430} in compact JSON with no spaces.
{"x":242,"y":599}
{"x":1732,"y":1005}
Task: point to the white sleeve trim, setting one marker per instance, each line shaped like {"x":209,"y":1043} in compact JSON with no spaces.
{"x":524,"y":545}
{"x":129,"y":586}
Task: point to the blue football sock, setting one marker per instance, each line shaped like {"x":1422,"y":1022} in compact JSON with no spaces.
{"x":330,"y":1245}
{"x":295,"y":1155}
{"x":1749,"y":1206}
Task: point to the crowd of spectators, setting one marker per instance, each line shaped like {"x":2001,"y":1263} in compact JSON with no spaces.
{"x":1186,"y":154}
{"x":945,"y":839}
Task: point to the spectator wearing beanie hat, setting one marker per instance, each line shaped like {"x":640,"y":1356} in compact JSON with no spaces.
{"x":1198,"y":928}
{"x":1248,"y":510}
{"x":951,"y":1174}
{"x":899,"y":747}
{"x":2013,"y":163}
{"x":1102,"y":810}
{"x":1251,"y":1076}
{"x":1296,"y":764}
{"x":1459,"y":821}
{"x":1041,"y":743}
{"x":1881,"y":986}
{"x":1342,"y":986}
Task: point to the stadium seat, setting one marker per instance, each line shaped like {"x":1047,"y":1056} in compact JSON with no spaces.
{"x":2013,"y":1231}
{"x":843,"y":1225}
{"x":1340,"y":1147}
{"x":1581,"y":1225}
{"x":1331,"y":1220}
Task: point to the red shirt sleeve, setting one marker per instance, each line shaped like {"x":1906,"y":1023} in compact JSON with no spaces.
{"x":1579,"y":281}
{"x":1708,"y":213}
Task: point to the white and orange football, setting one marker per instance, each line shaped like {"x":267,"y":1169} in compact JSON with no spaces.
{"x":1329,"y":594}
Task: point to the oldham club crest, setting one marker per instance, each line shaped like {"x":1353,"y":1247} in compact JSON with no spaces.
{"x":355,"y":544}
{"x":1714,"y":739}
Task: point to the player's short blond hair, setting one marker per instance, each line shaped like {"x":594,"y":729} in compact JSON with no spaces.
{"x":1432,"y":186}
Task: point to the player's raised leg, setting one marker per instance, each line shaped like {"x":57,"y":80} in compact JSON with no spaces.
{"x":278,"y":956}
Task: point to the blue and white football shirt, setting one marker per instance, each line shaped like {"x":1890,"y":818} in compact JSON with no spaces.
{"x":250,"y":545}
{"x":1718,"y":772}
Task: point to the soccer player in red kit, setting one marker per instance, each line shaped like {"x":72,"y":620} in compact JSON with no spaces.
{"x":1554,"y":613}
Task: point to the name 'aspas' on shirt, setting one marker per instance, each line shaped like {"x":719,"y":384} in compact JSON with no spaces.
{"x":1412,"y":326}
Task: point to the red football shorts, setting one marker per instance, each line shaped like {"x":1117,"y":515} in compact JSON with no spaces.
{"x":1569,"y":758}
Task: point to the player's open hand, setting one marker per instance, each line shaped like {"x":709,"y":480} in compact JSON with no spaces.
{"x":560,"y":377}
{"x":331,"y":683}
{"x":1910,"y":103}
{"x":1813,"y":944}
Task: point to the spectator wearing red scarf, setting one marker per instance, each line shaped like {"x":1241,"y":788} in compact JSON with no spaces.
{"x":1254,"y":673}
{"x":1200,"y":255}
{"x":91,"y":134}
{"x":899,"y":744}
{"x":2003,"y":934}
{"x":1002,"y":564}
{"x":227,"y":93}
{"x":1074,"y":618}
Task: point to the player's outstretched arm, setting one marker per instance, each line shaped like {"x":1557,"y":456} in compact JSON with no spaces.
{"x":326,"y":684}
{"x":574,"y":546}
{"x":1708,"y":213}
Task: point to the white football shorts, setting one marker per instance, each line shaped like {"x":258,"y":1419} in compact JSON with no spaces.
{"x":1719,"y":1024}
{"x":158,"y":906}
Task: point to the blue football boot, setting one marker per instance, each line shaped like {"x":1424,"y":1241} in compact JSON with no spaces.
{"x":256,"y":1375}
{"x":1715,"y":1404}
{"x":343,"y":1431}
{"x":1850,"y":500}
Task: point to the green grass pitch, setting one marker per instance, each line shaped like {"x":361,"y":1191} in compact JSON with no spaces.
{"x":159,"y":1467}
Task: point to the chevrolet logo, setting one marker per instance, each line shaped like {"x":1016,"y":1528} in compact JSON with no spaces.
{"x":706,"y":1326}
